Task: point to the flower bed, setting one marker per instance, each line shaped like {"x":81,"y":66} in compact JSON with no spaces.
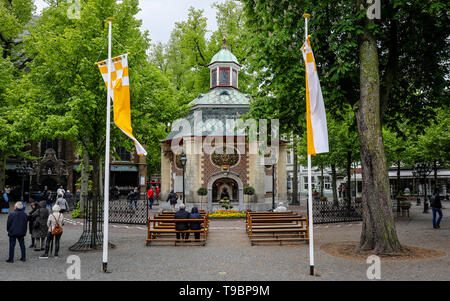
{"x":227,"y":214}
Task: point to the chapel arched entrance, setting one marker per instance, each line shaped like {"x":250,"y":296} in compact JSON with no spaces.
{"x":225,"y":187}
{"x":234,"y":185}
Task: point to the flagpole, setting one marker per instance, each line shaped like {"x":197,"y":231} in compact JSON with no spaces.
{"x":107,"y":151}
{"x":310,"y":205}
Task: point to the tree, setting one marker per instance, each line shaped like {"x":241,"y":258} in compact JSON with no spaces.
{"x":433,"y":145}
{"x":15,"y":119}
{"x":378,"y":230}
{"x":72,"y":94}
{"x":276,"y":29}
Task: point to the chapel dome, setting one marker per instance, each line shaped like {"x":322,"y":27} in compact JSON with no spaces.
{"x":224,"y":55}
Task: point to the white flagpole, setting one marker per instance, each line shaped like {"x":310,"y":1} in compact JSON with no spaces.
{"x":310,"y":204}
{"x":107,"y":151}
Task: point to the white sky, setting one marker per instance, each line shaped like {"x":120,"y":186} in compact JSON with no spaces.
{"x":159,"y":16}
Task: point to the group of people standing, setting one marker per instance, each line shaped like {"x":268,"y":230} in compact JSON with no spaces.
{"x":152,"y":195}
{"x":44,"y":225}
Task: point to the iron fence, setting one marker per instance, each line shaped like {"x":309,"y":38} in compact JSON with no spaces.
{"x":124,"y":212}
{"x":336,"y":212}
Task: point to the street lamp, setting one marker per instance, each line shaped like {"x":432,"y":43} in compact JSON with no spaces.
{"x":183,"y":160}
{"x":421,"y":171}
{"x":23,"y":170}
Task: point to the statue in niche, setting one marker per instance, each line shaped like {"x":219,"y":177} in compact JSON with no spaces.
{"x":224,"y":194}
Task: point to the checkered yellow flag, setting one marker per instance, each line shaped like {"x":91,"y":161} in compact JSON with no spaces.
{"x":120,"y":94}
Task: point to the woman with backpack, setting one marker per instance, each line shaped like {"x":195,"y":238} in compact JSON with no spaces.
{"x":55,"y":230}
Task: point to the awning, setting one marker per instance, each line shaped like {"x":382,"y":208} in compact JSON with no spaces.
{"x":124,"y":168}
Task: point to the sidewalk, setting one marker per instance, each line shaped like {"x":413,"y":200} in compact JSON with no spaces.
{"x":228,"y":255}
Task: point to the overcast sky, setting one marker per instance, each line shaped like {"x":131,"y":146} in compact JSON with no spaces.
{"x":159,"y":16}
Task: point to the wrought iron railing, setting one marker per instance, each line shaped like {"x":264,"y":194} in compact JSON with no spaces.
{"x":336,"y":212}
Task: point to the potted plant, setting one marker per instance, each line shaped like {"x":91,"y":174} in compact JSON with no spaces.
{"x":201,"y":192}
{"x":249,"y":191}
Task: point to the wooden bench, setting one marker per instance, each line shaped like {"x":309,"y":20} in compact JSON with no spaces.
{"x":259,"y":218}
{"x":167,"y":234}
{"x":170,"y":225}
{"x":274,"y":227}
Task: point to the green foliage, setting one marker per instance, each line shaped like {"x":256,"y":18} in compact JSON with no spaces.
{"x":249,"y":190}
{"x":76,"y":212}
{"x":202,"y":191}
{"x":184,"y":59}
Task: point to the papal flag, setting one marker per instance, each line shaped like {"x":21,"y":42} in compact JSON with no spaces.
{"x":120,"y":94}
{"x":316,"y":118}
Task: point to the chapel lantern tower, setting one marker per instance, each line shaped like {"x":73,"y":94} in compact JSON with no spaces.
{"x":224,"y":68}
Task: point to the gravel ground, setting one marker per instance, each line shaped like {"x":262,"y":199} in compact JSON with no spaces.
{"x":228,"y":255}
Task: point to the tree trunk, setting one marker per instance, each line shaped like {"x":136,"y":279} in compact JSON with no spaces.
{"x":378,"y":229}
{"x":334,"y":185}
{"x":84,"y":188}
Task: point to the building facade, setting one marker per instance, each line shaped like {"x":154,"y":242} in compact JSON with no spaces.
{"x":220,"y":157}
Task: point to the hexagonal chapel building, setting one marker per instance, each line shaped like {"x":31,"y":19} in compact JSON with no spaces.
{"x":220,"y":156}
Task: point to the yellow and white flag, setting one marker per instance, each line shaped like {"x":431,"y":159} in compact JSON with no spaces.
{"x":120,"y":95}
{"x":316,"y":118}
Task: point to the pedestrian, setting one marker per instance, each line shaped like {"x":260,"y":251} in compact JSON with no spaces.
{"x":38,"y":197}
{"x":60,"y":190}
{"x":68,"y":197}
{"x":62,"y":203}
{"x":55,"y":223}
{"x":181,"y":226}
{"x":77,"y":198}
{"x":157,"y":193}
{"x":172,"y":198}
{"x":31,"y":220}
{"x":150,"y":196}
{"x":133,"y":197}
{"x":40,"y":229}
{"x":5,"y":200}
{"x":436,"y":207}
{"x":17,"y":229}
{"x":195,"y":225}
{"x":50,"y":199}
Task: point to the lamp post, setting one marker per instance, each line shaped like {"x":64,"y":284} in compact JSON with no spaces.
{"x":422,"y":170}
{"x":183,"y":160}
{"x":23,"y":169}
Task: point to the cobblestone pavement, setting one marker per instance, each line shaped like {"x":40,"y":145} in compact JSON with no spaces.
{"x":228,"y":255}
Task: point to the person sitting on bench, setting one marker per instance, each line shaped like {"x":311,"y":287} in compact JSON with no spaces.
{"x":181,"y":226}
{"x":195,"y":225}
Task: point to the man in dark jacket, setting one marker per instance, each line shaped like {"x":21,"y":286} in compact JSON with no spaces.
{"x":172,"y":198}
{"x":180,"y":226}
{"x":17,"y":229}
{"x":195,"y":225}
{"x":436,"y":207}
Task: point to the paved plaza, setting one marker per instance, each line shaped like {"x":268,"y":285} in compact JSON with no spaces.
{"x":228,"y":255}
